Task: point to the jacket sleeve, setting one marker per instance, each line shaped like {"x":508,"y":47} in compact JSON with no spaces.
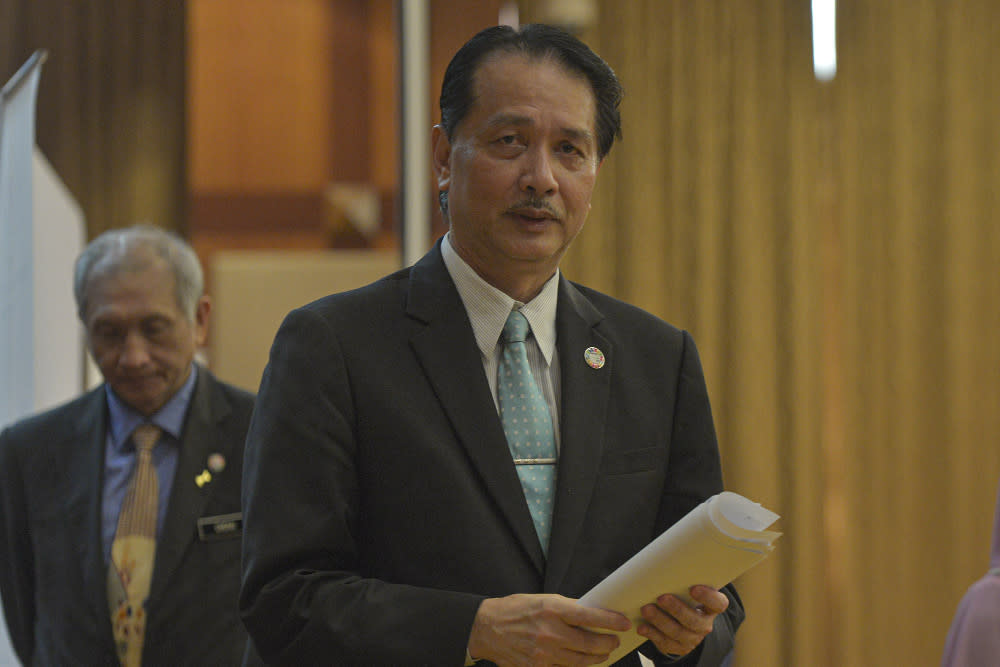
{"x":17,"y":572}
{"x":305,"y":592}
{"x":695,"y":475}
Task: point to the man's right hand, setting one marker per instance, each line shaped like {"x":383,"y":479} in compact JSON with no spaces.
{"x":537,"y":630}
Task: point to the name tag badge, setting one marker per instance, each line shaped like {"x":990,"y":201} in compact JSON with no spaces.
{"x":220,"y":527}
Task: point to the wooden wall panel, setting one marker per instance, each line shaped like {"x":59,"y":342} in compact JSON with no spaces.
{"x":285,"y":99}
{"x":261,"y":93}
{"x":288,"y":97}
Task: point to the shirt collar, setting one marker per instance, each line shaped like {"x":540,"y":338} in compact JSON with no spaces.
{"x":170,"y":418}
{"x":488,"y":307}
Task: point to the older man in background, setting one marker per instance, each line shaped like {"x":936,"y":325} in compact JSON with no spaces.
{"x":120,"y":510}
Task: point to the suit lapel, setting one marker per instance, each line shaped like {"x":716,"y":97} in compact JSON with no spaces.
{"x":583,"y":418}
{"x":86,"y":458}
{"x":187,"y":499}
{"x":446,"y":349}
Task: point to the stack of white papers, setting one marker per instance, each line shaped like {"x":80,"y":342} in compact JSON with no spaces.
{"x":716,"y":542}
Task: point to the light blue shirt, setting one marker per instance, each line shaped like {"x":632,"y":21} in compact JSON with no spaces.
{"x":120,"y":457}
{"x":488,"y":308}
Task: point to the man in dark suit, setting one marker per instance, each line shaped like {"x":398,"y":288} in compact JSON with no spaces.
{"x":391,"y":518}
{"x":65,"y":476}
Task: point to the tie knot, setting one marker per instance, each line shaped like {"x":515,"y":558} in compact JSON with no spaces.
{"x":516,"y":328}
{"x":145,"y":437}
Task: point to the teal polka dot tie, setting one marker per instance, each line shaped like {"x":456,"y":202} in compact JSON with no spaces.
{"x":527,"y":425}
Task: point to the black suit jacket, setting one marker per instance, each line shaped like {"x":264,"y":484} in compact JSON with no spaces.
{"x":52,"y":570}
{"x":381,"y":504}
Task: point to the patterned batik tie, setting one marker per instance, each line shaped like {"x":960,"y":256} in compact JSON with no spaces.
{"x":133,"y":550}
{"x":527,"y":424}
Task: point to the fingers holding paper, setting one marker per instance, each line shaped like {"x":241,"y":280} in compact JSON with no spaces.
{"x":543,"y":630}
{"x":676,"y":627}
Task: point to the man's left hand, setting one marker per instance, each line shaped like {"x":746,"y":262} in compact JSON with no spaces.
{"x":676,"y":627}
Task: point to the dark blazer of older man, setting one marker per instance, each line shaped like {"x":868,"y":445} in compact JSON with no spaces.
{"x":52,"y":569}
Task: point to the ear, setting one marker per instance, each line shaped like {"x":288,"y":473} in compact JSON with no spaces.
{"x":201,"y":313}
{"x":441,"y":149}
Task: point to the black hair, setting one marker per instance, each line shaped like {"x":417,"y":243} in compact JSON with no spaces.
{"x":536,"y":41}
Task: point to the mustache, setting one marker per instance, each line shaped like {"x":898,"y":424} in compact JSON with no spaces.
{"x":535,"y":203}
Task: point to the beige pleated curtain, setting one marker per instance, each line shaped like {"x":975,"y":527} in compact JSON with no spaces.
{"x":834,"y":249}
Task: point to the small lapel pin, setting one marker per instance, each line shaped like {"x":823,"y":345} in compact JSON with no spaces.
{"x":216,"y":463}
{"x":594,"y":357}
{"x":204,"y":478}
